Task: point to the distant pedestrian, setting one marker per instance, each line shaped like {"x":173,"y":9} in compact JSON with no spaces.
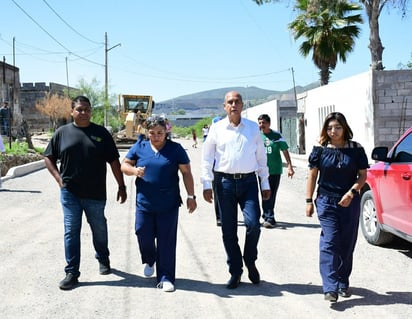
{"x":205,"y":131}
{"x":168,"y":129}
{"x":5,"y":116}
{"x":83,"y":149}
{"x":3,"y":152}
{"x":194,"y":137}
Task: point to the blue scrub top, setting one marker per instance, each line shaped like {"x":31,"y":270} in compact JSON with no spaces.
{"x":158,"y":190}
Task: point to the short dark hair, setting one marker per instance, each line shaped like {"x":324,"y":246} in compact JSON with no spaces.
{"x":154,"y":121}
{"x":80,"y":98}
{"x":264,"y":117}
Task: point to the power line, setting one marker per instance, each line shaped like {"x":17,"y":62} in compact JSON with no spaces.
{"x":52,"y":37}
{"x":68,"y":25}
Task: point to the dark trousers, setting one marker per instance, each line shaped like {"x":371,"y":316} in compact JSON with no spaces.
{"x":231,"y":193}
{"x":337,"y":240}
{"x":215,"y":199}
{"x":157,"y":236}
{"x":268,"y":206}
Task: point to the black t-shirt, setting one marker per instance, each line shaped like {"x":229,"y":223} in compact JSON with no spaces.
{"x":83,"y":154}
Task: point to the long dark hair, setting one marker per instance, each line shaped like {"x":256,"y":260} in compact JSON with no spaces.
{"x":337,"y":116}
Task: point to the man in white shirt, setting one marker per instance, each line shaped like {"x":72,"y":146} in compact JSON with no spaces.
{"x":235,"y":148}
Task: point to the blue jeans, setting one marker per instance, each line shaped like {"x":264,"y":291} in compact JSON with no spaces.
{"x":337,"y":240}
{"x":231,"y":193}
{"x":268,"y":206}
{"x":5,"y":127}
{"x":73,"y":208}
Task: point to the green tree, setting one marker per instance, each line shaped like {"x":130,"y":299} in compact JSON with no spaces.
{"x":95,"y":92}
{"x":408,"y":65}
{"x":329,"y":29}
{"x":373,"y":10}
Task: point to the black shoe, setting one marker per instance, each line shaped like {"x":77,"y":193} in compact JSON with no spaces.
{"x":344,"y":292}
{"x":331,"y":296}
{"x":218,"y":222}
{"x":233,"y":282}
{"x":104,"y":268}
{"x":253,"y":274}
{"x":270,"y":223}
{"x":69,"y":282}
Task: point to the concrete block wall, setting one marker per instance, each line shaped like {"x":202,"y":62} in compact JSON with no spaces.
{"x":392,"y":105}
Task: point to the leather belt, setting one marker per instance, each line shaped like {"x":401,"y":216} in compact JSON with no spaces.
{"x":236,"y":175}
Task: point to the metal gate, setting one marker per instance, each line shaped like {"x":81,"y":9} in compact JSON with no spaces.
{"x":288,"y":128}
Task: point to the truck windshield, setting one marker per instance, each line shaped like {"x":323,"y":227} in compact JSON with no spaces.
{"x":137,"y":104}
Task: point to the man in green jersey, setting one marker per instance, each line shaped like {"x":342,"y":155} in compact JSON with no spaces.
{"x":274,"y":143}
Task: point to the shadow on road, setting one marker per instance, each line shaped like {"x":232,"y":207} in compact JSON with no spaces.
{"x":19,"y":191}
{"x":371,"y":298}
{"x":286,"y":225}
{"x":360,"y":296}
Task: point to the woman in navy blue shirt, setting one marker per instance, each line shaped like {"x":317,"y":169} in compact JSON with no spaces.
{"x":341,"y":165}
{"x":156,"y":163}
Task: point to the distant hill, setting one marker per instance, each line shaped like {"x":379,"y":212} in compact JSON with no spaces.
{"x":211,"y":101}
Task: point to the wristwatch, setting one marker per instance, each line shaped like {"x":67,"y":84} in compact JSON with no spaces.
{"x":191,"y":196}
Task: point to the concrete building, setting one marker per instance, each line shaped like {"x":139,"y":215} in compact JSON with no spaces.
{"x":9,"y":89}
{"x":30,"y":93}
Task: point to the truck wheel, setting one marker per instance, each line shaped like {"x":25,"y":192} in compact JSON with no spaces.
{"x":371,"y":229}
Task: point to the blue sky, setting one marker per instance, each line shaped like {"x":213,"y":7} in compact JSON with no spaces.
{"x":173,"y":48}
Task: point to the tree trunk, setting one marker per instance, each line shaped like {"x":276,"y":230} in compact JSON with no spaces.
{"x":375,"y":45}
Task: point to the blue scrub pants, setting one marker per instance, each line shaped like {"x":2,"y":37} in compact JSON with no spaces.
{"x":157,"y":236}
{"x":337,"y":240}
{"x":231,"y":193}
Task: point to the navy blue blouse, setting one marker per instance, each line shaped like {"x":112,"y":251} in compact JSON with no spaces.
{"x":338,"y":167}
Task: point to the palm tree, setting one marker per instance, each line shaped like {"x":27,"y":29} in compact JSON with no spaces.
{"x":329,"y":29}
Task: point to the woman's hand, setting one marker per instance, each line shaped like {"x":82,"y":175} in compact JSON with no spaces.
{"x":140,"y":171}
{"x":345,"y":200}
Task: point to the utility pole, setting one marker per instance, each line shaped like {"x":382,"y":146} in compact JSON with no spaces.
{"x":106,"y":79}
{"x":67,"y":79}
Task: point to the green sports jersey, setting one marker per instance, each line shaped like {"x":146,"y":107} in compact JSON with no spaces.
{"x":274,"y":143}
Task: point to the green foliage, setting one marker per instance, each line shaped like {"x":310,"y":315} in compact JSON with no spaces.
{"x":187,"y":131}
{"x":95,"y":92}
{"x":17,"y":148}
{"x":20,"y":148}
{"x":328,"y":29}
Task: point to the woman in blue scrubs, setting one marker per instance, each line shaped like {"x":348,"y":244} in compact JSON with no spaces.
{"x":341,"y":165}
{"x":156,"y":162}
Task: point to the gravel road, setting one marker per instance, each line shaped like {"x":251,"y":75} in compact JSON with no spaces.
{"x":32,"y":262}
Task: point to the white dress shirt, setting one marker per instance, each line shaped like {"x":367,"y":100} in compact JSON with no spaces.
{"x":236,"y":150}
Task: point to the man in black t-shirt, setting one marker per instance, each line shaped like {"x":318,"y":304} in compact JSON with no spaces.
{"x":83,"y":149}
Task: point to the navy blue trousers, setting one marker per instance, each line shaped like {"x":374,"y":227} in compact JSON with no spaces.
{"x":231,"y":193}
{"x":337,"y":240}
{"x":157,"y":236}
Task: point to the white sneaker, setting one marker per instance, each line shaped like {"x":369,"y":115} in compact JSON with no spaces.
{"x":166,"y":286}
{"x":148,"y":270}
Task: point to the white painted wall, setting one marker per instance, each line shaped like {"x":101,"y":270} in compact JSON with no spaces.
{"x":270,"y":108}
{"x":353,"y":98}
